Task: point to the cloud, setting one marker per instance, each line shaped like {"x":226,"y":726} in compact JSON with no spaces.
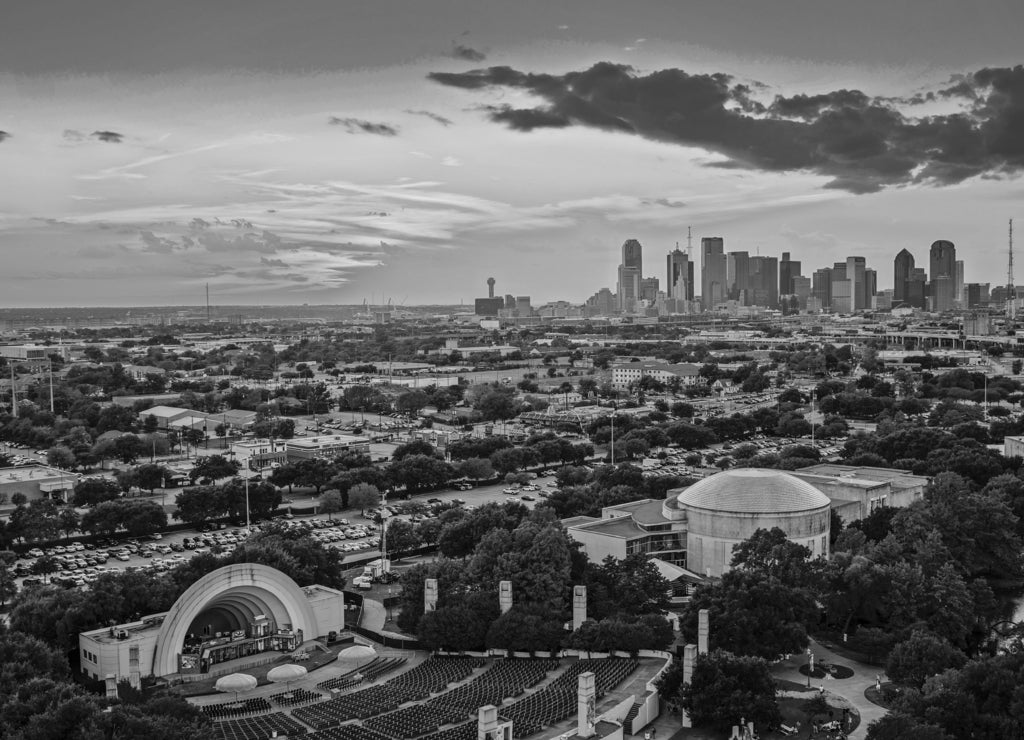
{"x":863,"y":144}
{"x":466,"y":53}
{"x":431,"y":115}
{"x":450,"y":161}
{"x":4,"y":136}
{"x":110,"y":137}
{"x":358,"y":125}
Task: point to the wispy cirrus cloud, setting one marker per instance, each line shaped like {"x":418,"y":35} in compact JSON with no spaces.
{"x":862,"y":143}
{"x":361,"y":126}
{"x":431,"y":115}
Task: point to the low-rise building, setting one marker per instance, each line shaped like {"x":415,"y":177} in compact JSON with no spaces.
{"x":624,"y":374}
{"x":330,"y":446}
{"x":855,"y":491}
{"x":38,"y":482}
{"x":260,"y":454}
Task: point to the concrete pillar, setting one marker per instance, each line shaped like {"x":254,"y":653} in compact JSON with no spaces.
{"x":586,"y":705}
{"x":689,"y":658}
{"x":487,"y":722}
{"x":429,"y":594}
{"x":703,"y":631}
{"x":579,"y":606}
{"x":505,"y":596}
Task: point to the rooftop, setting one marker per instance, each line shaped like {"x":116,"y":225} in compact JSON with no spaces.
{"x":753,"y":491}
{"x":33,"y":473}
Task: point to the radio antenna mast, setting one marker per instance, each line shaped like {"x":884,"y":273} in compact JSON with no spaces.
{"x":1011,"y":293}
{"x":689,"y":240}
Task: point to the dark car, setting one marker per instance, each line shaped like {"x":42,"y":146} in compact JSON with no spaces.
{"x":434,"y":501}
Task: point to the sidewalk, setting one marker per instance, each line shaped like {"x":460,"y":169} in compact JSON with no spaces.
{"x":851,"y":689}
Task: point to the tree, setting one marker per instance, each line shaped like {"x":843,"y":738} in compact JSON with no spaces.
{"x":91,"y":491}
{"x":725,"y":687}
{"x":331,"y":502}
{"x":127,"y":448}
{"x":774,"y":554}
{"x":753,"y":613}
{"x":315,"y":472}
{"x":363,"y":496}
{"x":200,"y":504}
{"x":414,"y":447}
{"x":45,"y":566}
{"x":920,"y":656}
{"x":419,"y":473}
{"x":61,"y":457}
{"x":476,"y":468}
{"x":8,"y":585}
{"x":150,"y":476}
{"x":263,"y":499}
{"x":401,"y":537}
{"x":68,"y":520}
{"x":210,"y":468}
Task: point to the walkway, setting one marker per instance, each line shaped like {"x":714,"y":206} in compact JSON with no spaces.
{"x":851,"y":689}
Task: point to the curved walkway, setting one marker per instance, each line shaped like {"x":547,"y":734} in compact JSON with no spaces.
{"x":851,"y":689}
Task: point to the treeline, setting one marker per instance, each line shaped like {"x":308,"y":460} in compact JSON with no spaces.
{"x":495,"y":543}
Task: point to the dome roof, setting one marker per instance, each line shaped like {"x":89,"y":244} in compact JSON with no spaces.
{"x":753,"y":491}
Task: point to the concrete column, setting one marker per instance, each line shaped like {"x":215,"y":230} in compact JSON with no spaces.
{"x":689,"y":658}
{"x":429,"y":594}
{"x":586,"y":705}
{"x":487,"y":722}
{"x":579,"y":606}
{"x":703,"y":631}
{"x":505,"y":596}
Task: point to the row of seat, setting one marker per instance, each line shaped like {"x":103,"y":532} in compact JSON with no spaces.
{"x":296,"y":697}
{"x":345,"y":732}
{"x":236,"y":708}
{"x":259,"y":728}
{"x":370,"y":672}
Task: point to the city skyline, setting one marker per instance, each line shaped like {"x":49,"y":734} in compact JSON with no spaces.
{"x":329,"y":152}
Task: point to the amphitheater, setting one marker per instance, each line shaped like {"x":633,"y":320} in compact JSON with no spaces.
{"x":402,"y":695}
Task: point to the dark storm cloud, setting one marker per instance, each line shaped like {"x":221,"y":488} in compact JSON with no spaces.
{"x":467,"y":54}
{"x":862,"y":143}
{"x":4,"y":136}
{"x":359,"y":126}
{"x":111,"y":137}
{"x":431,"y":115}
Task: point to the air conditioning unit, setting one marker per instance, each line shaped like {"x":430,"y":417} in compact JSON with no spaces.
{"x":121,"y":634}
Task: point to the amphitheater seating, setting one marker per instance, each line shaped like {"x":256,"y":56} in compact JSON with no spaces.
{"x":430,"y":676}
{"x":346,"y":732}
{"x":260,"y":727}
{"x":465,"y":731}
{"x":236,"y":708}
{"x":296,"y":697}
{"x":370,"y":672}
{"x":504,"y":679}
{"x":557,"y":701}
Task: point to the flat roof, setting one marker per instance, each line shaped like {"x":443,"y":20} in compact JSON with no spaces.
{"x":328,"y":440}
{"x":621,"y":526}
{"x":645,"y":511}
{"x":29,"y":473}
{"x":898,"y":478}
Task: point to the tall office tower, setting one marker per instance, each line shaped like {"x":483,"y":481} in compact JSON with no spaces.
{"x":958,"y":284}
{"x":713,"y":271}
{"x":690,"y":292}
{"x":916,"y":288}
{"x":523,"y":307}
{"x":801,"y":289}
{"x":821,"y":287}
{"x":630,"y":272}
{"x":679,"y":270}
{"x":737,"y":277}
{"x":764,"y":281}
{"x":855,"y":267}
{"x":942,"y":260}
{"x":976,"y":294}
{"x":510,"y":301}
{"x":870,"y":287}
{"x":943,"y":291}
{"x":788,"y":269}
{"x":649,"y":288}
{"x":901,"y":268}
{"x":842,"y":292}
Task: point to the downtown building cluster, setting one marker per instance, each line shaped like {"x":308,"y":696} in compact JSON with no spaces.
{"x":739,"y":283}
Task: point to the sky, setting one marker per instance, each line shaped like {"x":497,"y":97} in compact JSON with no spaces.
{"x":334,"y":151}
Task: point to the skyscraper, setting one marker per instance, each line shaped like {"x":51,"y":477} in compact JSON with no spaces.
{"x":630,"y":273}
{"x":821,"y":287}
{"x":942,"y":260}
{"x":788,"y":269}
{"x":902,"y":266}
{"x":737,"y":277}
{"x":870,"y":287}
{"x":679,"y":270}
{"x":713,"y":271}
{"x":855,"y":267}
{"x":764,"y":281}
{"x":958,"y":283}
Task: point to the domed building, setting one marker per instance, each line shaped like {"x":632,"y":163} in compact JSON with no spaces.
{"x":727,"y":508}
